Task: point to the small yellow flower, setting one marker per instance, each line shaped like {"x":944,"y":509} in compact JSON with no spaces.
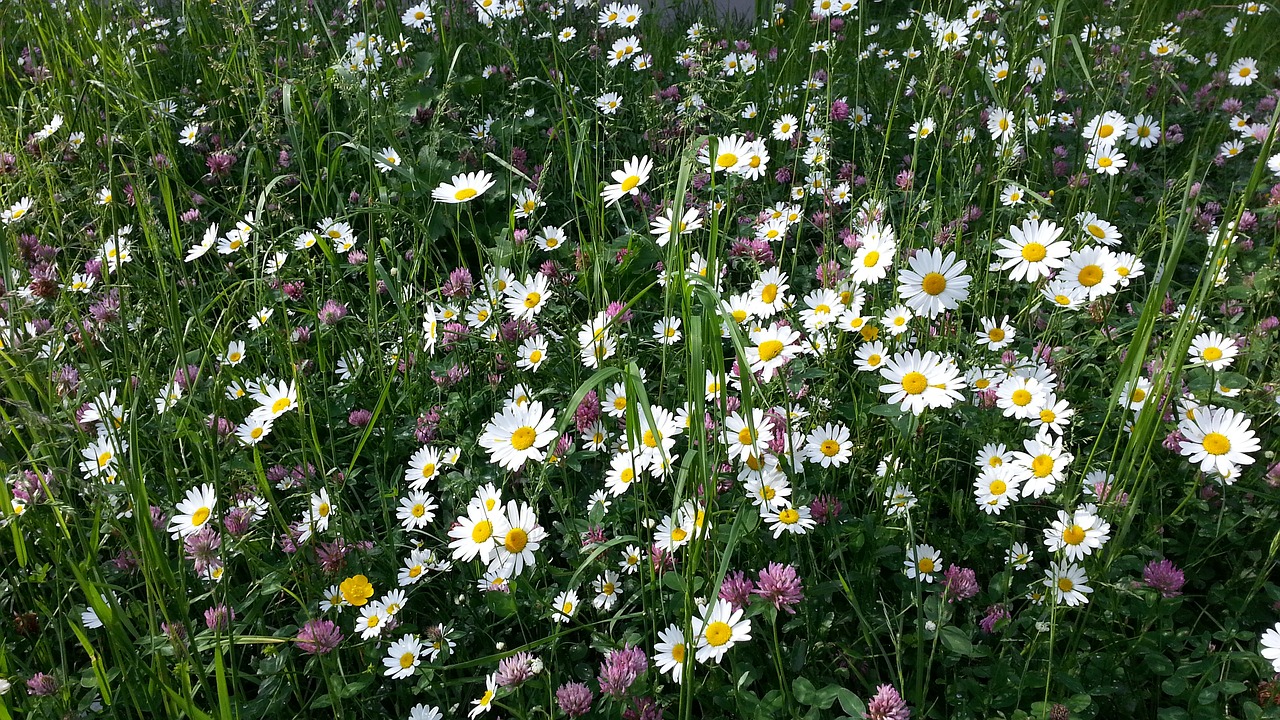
{"x":356,"y":590}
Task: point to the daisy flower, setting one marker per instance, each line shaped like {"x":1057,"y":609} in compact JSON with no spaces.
{"x":1019,"y":556}
{"x":524,"y":300}
{"x":1076,"y":534}
{"x":235,"y":353}
{"x":673,"y":533}
{"x":1270,"y":642}
{"x":718,"y":629}
{"x":609,"y":103}
{"x":194,"y":512}
{"x":921,"y":129}
{"x":1053,"y":414}
{"x":388,"y":159}
{"x":774,"y":346}
{"x":994,"y":489}
{"x":627,"y":181}
{"x":897,"y":319}
{"x":1243,"y":72}
{"x":1105,"y":160}
{"x":316,"y":519}
{"x":1098,"y":230}
{"x":921,"y":381}
{"x":1093,"y":269}
{"x":1105,"y":129}
{"x":995,"y":334}
{"x":417,"y":17}
{"x":417,"y":510}
{"x":475,"y":534}
{"x":522,"y":536}
{"x":606,"y":589}
{"x":870,"y":356}
{"x":731,"y":154}
{"x":667,"y":331}
{"x":630,"y":563}
{"x":899,"y":499}
{"x":922,"y":562}
{"x":787,"y":518}
{"x":1064,"y":294}
{"x":770,"y":294}
{"x":829,"y":445}
{"x":16,"y":211}
{"x":276,"y":399}
{"x":669,"y":652}
{"x":1218,"y":440}
{"x":785,"y":127}
{"x":518,"y":434}
{"x":255,"y":428}
{"x":872,"y":260}
{"x":769,"y":489}
{"x":423,"y":467}
{"x":1213,"y":350}
{"x":1068,"y":583}
{"x":933,"y":282}
{"x":564,"y":606}
{"x":1144,"y":131}
{"x":1034,"y":250}
{"x":747,"y":439}
{"x":101,"y":457}
{"x":662,"y":225}
{"x":403,"y":657}
{"x":1041,"y":466}
{"x":462,"y":188}
{"x":1020,"y":397}
{"x":485,"y":702}
{"x":532,"y":353}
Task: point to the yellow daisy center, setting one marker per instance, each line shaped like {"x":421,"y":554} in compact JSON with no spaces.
{"x":464,"y":194}
{"x":1033,"y":252}
{"x":1073,"y":535}
{"x":199,"y":517}
{"x":934,"y":283}
{"x":1216,"y":444}
{"x":914,"y":383}
{"x":516,"y":540}
{"x":482,"y":531}
{"x":718,"y":633}
{"x":523,"y":437}
{"x":769,"y":349}
{"x":1042,"y":465}
{"x":1090,"y":275}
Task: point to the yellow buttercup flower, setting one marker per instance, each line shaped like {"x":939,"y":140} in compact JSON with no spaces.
{"x":356,"y":590}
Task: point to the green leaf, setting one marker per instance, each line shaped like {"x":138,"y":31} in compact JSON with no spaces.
{"x":805,"y":692}
{"x":674,"y":582}
{"x":1174,"y":686}
{"x":1159,"y":664}
{"x":1231,"y":687}
{"x":955,"y":640}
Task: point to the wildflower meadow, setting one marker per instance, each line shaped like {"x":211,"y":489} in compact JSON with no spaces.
{"x":574,"y":358}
